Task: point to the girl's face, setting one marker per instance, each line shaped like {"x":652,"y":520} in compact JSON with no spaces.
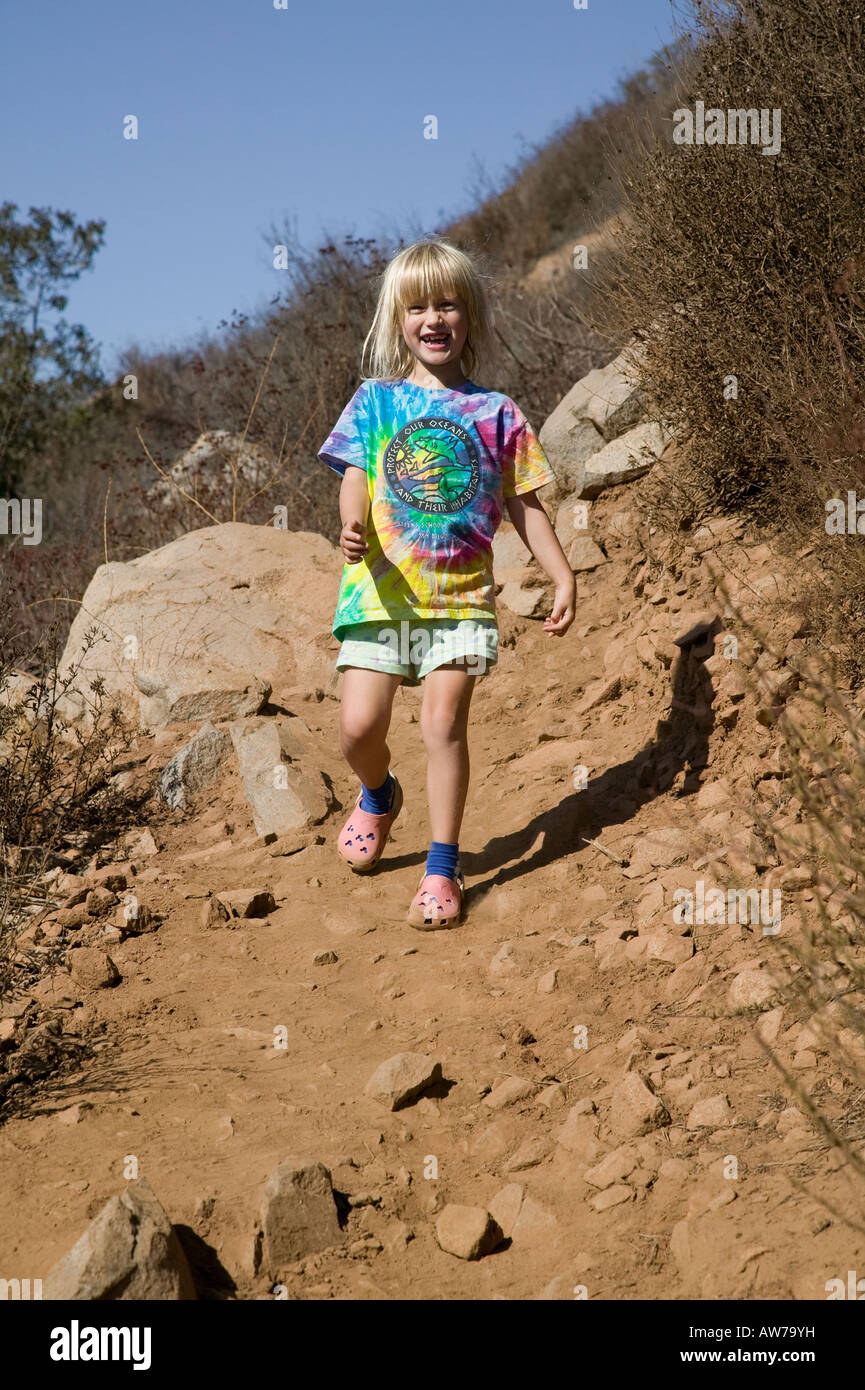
{"x":436,"y":331}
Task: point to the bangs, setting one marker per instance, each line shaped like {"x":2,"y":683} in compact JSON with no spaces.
{"x":430,"y":273}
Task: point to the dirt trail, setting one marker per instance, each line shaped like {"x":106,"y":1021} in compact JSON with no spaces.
{"x":186,"y":1077}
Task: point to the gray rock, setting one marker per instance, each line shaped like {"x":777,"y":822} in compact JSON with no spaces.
{"x":194,"y":767}
{"x":130,"y":1251}
{"x":298,"y":1213}
{"x":608,"y":397}
{"x":623,"y":460}
{"x":285,"y":790}
{"x":401,"y":1078}
{"x":218,"y":459}
{"x":568,"y":442}
{"x":197,"y":695}
{"x":467,"y":1232}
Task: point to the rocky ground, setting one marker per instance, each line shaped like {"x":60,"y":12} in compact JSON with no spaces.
{"x":603,"y":1120}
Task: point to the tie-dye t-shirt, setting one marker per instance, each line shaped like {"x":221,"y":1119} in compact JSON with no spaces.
{"x":439,"y":464}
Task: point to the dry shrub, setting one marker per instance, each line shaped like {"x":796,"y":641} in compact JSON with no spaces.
{"x":58,"y":752}
{"x":731,"y":264}
{"x":817,"y":827}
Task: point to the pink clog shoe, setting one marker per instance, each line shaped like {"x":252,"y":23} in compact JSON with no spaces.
{"x":364,"y":835}
{"x":438,"y":902}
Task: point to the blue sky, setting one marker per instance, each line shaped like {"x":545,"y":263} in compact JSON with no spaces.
{"x":249,"y":116}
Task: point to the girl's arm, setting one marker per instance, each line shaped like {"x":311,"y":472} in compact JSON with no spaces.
{"x":354,"y":511}
{"x":535,"y":530}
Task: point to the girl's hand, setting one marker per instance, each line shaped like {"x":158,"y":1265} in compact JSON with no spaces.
{"x":353,"y":542}
{"x":563,"y":612}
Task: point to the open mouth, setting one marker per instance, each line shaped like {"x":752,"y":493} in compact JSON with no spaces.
{"x":438,"y":341}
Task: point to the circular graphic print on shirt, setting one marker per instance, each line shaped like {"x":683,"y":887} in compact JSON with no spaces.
{"x":432,"y":464}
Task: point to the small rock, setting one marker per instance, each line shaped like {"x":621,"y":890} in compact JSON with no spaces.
{"x":92,"y":968}
{"x":526,"y":603}
{"x":194,"y":767}
{"x":584,"y":555}
{"x":213,"y":913}
{"x":73,"y":917}
{"x":598,"y":693}
{"x":612,"y":1197}
{"x":667,"y":946}
{"x":613,"y":1168}
{"x":401,"y":1078}
{"x":752,"y":988}
{"x":508,"y":1092}
{"x":248,"y":902}
{"x":505,"y":1207}
{"x":693,"y":626}
{"x":298,"y":1213}
{"x":397,"y":1235}
{"x":74,"y":1114}
{"x":325,"y":958}
{"x":138,"y":844}
{"x":578,"y":1135}
{"x":531,"y":1152}
{"x":680,"y":1246}
{"x":710,"y":1113}
{"x":548,"y":982}
{"x":99,"y":901}
{"x":552,"y":1097}
{"x":635,"y":1109}
{"x":292,"y":842}
{"x":467,"y":1232}
{"x":57,"y":992}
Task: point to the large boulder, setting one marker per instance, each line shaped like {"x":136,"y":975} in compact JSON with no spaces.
{"x":205,"y":627}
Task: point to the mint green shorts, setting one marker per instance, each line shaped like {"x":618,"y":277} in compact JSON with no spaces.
{"x":412,"y":649}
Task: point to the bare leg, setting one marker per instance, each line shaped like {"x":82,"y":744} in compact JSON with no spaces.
{"x":444,"y":721}
{"x":364,"y":719}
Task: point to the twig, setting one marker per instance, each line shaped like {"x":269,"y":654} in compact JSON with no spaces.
{"x":258,"y":392}
{"x":105,"y":520}
{"x":174,"y":483}
{"x":608,"y":852}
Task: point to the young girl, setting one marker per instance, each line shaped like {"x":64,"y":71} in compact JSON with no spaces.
{"x":427,"y":460}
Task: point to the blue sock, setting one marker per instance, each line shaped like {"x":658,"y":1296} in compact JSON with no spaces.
{"x":378,"y":800}
{"x":443,"y":859}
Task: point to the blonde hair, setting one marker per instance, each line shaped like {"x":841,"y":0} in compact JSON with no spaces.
{"x":427,"y":269}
